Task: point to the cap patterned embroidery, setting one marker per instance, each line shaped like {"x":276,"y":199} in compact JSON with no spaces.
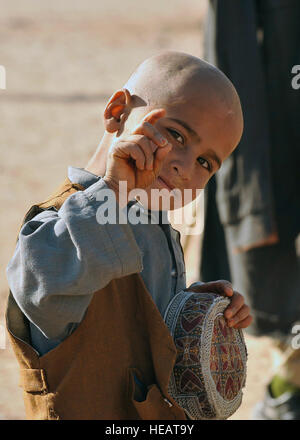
{"x":210,"y":368}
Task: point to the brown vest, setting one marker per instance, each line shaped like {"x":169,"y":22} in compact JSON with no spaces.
{"x":90,"y":374}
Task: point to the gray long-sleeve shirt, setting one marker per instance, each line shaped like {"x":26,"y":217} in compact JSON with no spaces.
{"x":62,"y":257}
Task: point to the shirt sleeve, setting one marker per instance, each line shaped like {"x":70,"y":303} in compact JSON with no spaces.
{"x":62,"y":257}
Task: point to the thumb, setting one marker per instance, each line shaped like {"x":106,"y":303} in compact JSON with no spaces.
{"x":153,"y":116}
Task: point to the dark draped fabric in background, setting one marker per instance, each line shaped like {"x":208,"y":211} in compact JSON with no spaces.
{"x":256,"y":43}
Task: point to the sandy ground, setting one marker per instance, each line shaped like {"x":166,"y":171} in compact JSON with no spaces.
{"x":63,"y":60}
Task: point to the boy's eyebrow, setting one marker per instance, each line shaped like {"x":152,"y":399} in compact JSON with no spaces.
{"x":187,"y":127}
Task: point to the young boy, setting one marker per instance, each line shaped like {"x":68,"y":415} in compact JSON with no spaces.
{"x":87,"y":299}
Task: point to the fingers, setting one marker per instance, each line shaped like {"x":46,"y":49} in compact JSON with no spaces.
{"x":148,"y":148}
{"x":223,"y":287}
{"x":237,"y":313}
{"x":237,"y":301}
{"x":153,"y":116}
{"x":126,"y":150}
{"x":141,"y":149}
{"x":242,"y":315}
{"x":146,"y":128}
{"x":245,"y":323}
{"x":142,"y":153}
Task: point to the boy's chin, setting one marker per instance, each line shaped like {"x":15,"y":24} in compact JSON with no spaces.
{"x":161,"y":199}
{"x":162,"y":204}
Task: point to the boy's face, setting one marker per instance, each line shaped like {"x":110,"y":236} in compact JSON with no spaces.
{"x":203,"y":133}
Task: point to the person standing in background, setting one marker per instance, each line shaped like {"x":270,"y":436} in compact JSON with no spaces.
{"x":252,"y":215}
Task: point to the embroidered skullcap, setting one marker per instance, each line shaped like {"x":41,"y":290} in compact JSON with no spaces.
{"x":210,"y":368}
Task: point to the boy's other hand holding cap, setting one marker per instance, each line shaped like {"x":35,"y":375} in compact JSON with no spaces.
{"x":237,"y":313}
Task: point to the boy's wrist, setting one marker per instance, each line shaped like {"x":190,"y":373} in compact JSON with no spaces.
{"x":114,"y":185}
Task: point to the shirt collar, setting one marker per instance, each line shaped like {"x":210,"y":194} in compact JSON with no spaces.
{"x":82,"y":176}
{"x":155,"y":217}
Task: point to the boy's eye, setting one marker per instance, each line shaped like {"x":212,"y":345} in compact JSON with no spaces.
{"x":176,"y":135}
{"x":204,"y":163}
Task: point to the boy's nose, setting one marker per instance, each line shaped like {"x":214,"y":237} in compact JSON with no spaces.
{"x":183,"y":169}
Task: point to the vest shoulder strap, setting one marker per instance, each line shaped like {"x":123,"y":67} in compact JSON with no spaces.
{"x":55,"y":200}
{"x":17,"y":323}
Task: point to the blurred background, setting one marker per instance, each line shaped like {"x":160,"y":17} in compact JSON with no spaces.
{"x":63,"y":60}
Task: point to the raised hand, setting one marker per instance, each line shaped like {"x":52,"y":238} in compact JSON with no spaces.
{"x":139,"y":158}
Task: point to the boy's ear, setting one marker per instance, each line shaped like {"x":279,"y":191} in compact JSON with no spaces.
{"x":117,"y":110}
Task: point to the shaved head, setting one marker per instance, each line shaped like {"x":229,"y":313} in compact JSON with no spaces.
{"x":171,"y":78}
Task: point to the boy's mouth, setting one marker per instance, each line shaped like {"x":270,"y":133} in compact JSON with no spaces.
{"x":163,"y":182}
